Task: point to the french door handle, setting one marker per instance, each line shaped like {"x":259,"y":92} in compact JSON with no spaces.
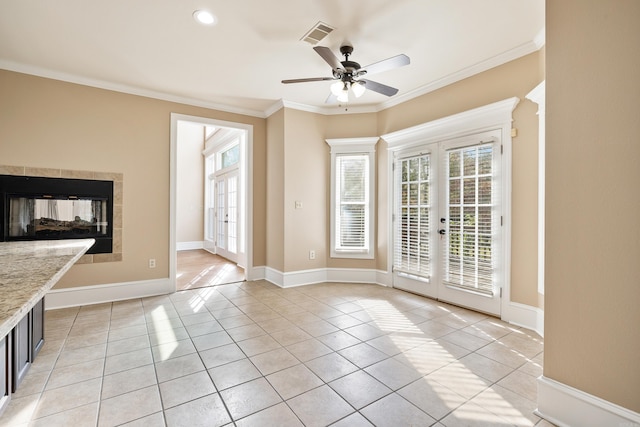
{"x":442,"y":232}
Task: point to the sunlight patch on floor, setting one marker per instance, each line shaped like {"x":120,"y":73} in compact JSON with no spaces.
{"x":429,"y":358}
{"x":158,"y":317}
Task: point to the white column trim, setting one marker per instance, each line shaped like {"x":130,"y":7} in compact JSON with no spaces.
{"x":566,"y":406}
{"x":537,"y":95}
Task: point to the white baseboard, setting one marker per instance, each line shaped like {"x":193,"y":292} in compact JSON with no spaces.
{"x":189,"y":246}
{"x":274,"y":276}
{"x":295,"y":278}
{"x":87,"y":295}
{"x":321,"y":275}
{"x":524,"y":315}
{"x":351,"y":275}
{"x":255,"y":273}
{"x":566,"y":406}
{"x":384,"y":278}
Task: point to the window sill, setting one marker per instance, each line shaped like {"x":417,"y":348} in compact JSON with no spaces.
{"x":352,"y":254}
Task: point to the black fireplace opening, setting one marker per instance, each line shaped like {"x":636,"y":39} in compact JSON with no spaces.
{"x":39,"y":208}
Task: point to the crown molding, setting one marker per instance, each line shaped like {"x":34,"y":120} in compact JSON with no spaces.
{"x":536,"y":44}
{"x":274,"y":108}
{"x":501,"y":59}
{"x":540,"y":38}
{"x":511,"y":55}
{"x":130,"y":90}
{"x":349,"y":109}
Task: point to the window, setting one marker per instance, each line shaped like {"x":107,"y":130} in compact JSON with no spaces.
{"x":352,"y":205}
{"x":230,"y":157}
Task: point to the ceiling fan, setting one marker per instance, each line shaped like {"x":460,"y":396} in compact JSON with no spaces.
{"x":348,"y":74}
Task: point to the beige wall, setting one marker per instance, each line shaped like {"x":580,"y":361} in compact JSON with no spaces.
{"x":190,"y":183}
{"x":299,"y":170}
{"x":130,"y":134}
{"x":306,"y":180}
{"x":516,"y":78}
{"x":274,"y":214}
{"x":351,"y":126}
{"x":592,"y":280}
{"x":48,"y":123}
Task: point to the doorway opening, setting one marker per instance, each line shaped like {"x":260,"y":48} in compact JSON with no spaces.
{"x":210,"y":206}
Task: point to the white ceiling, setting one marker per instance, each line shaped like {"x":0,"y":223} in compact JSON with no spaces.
{"x":155,"y":48}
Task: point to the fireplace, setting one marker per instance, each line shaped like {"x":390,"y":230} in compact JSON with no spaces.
{"x":39,"y":208}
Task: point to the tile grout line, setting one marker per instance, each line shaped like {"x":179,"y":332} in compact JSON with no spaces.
{"x":279,"y":315}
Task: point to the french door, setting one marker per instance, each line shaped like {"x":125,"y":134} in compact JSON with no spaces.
{"x":226,"y":215}
{"x":447,"y":221}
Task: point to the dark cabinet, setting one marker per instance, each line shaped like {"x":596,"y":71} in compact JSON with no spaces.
{"x":21,"y":350}
{"x":5,"y":372}
{"x":37,"y":329}
{"x":27,"y":339}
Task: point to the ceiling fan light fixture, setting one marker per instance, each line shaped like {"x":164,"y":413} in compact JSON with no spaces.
{"x":343,"y":96}
{"x":346,"y":74}
{"x":358,"y":89}
{"x":204,"y":17}
{"x":337,"y":88}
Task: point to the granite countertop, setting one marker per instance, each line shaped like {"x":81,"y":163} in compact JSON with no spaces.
{"x":28,"y":270}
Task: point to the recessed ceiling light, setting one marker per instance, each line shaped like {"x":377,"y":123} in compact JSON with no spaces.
{"x":204,"y":17}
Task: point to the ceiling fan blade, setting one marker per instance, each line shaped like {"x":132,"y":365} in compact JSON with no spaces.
{"x":379,"y":87}
{"x":329,"y":57}
{"x":331,"y":99}
{"x":388,"y":64}
{"x":311,"y":79}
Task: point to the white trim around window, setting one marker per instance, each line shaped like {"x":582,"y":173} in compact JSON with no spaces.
{"x":352,"y":237}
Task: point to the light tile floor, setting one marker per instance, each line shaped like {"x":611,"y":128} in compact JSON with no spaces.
{"x":198,"y":268}
{"x":253,"y":354}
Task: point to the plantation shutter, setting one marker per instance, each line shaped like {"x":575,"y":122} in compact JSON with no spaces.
{"x":352,"y":213}
{"x":412,"y":247}
{"x":469,"y":256}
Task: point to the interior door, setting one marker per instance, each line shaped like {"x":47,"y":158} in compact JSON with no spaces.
{"x":226,"y":215}
{"x":209,"y":243}
{"x":447,"y":222}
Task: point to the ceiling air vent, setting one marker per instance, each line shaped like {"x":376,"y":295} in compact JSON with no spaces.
{"x":317,"y":33}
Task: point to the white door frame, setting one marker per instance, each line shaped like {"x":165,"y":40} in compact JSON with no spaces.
{"x":224,"y":251}
{"x":247,"y":199}
{"x":496,"y":116}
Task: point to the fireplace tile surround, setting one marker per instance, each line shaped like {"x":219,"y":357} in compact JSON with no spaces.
{"x":117,"y":179}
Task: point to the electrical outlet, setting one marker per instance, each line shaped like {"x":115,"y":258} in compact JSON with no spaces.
{"x":298,"y":204}
{"x":152,"y":263}
{"x":312,"y":254}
